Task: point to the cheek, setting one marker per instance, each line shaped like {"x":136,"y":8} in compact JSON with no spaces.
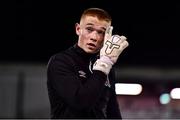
{"x":83,"y":34}
{"x":83,"y":39}
{"x":100,"y":42}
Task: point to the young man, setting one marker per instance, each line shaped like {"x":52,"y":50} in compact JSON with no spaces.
{"x":81,"y":81}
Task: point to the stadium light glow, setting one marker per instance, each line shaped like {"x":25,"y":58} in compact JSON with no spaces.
{"x":175,"y":93}
{"x":128,"y":88}
{"x":164,"y":98}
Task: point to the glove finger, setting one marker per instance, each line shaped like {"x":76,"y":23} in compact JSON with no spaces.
{"x":122,"y":39}
{"x":108,"y":33}
{"x":124,"y":44}
{"x":109,"y":30}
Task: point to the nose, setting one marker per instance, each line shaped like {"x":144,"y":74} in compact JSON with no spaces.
{"x":94,"y":36}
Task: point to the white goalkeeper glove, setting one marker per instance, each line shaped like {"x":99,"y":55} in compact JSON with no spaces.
{"x":109,"y":53}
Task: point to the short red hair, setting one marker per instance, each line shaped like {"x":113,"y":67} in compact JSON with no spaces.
{"x":97,"y":12}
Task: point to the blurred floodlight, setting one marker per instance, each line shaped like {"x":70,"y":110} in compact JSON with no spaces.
{"x":128,"y":89}
{"x":164,"y":98}
{"x":175,"y":93}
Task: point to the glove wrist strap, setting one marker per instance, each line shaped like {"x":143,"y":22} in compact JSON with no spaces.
{"x":103,"y":64}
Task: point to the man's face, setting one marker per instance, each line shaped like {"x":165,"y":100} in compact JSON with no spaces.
{"x":91,"y":33}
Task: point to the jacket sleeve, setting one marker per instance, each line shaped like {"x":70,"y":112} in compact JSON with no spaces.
{"x":69,"y":88}
{"x":113,"y":109}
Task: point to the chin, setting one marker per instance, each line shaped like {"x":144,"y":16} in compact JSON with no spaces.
{"x":91,"y":51}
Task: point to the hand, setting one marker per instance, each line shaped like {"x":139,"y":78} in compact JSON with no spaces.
{"x":109,"y":53}
{"x":113,"y":45}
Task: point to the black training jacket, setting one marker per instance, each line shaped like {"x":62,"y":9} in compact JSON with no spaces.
{"x":76,"y":91}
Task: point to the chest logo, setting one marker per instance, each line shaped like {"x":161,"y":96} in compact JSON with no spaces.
{"x":82,"y":74}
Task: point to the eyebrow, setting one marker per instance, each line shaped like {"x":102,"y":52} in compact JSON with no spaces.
{"x":93,"y":24}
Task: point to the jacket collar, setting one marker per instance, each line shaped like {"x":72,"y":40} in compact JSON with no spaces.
{"x":81,"y":52}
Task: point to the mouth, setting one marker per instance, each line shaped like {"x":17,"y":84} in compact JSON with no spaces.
{"x":91,"y":45}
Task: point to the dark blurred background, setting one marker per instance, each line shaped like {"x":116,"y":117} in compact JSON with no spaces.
{"x":38,"y":29}
{"x":32,"y":31}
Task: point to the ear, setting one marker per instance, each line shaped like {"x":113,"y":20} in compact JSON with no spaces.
{"x":78,"y":29}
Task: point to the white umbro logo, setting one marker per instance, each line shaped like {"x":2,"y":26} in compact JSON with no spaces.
{"x":82,"y":73}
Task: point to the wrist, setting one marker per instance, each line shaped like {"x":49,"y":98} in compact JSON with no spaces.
{"x":106,"y":59}
{"x":103,"y":64}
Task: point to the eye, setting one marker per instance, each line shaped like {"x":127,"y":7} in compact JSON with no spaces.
{"x":101,"y":32}
{"x":89,"y":29}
